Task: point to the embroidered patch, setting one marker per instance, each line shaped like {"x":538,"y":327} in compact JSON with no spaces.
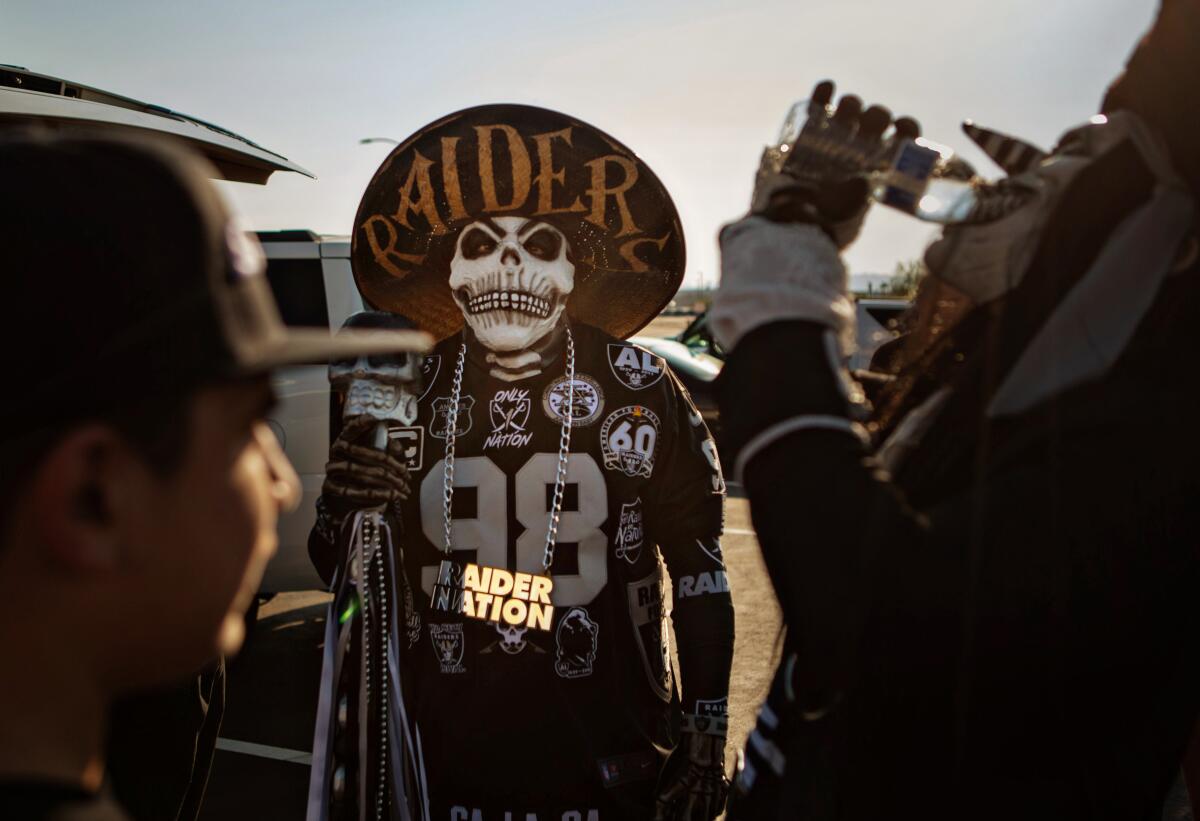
{"x":633,"y":367}
{"x":509,"y":413}
{"x":628,"y":543}
{"x":712,"y":707}
{"x":586,"y":403}
{"x":647,"y":611}
{"x":628,"y":440}
{"x":441,"y":410}
{"x":712,"y":550}
{"x":449,"y":646}
{"x":412,"y":440}
{"x":430,"y":369}
{"x":575,"y":642}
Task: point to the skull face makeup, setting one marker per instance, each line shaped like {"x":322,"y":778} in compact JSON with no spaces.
{"x":511,"y":277}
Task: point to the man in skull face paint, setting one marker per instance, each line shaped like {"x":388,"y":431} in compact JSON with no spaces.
{"x":572,"y":455}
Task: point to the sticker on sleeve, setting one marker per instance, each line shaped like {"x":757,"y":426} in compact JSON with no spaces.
{"x":712,"y":550}
{"x":703,"y":584}
{"x":576,"y":644}
{"x":629,"y":532}
{"x":633,"y":367}
{"x":412,"y":443}
{"x":709,"y":448}
{"x":628,"y":440}
{"x":585,"y":396}
{"x":441,"y":413}
{"x":712,"y":707}
{"x":448,"y":646}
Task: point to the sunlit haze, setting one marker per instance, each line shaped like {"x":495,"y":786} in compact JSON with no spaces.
{"x":696,"y":88}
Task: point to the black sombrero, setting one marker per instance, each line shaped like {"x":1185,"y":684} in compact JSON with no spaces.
{"x":499,"y":160}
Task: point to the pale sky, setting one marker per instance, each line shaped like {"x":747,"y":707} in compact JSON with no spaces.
{"x":695,"y":88}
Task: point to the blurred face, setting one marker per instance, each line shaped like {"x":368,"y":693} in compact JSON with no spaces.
{"x":196,"y":555}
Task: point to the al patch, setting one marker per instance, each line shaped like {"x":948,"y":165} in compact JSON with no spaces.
{"x":587,"y":400}
{"x":629,"y":440}
{"x":441,"y":412}
{"x":633,"y":367}
{"x":448,"y":646}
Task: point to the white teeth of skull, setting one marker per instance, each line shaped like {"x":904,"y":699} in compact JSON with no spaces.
{"x":518,"y":301}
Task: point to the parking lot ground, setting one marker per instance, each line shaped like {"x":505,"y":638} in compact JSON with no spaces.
{"x":262,"y":763}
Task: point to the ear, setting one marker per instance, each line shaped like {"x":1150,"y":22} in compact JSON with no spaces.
{"x":76,"y":493}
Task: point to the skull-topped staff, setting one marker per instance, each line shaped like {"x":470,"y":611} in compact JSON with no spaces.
{"x":362,"y":716}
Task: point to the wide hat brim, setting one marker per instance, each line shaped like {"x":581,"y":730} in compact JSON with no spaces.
{"x":517,"y":160}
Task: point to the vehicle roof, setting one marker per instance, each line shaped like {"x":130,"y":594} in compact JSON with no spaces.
{"x":27,"y":96}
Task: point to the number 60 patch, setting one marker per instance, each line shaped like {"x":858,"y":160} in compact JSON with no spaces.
{"x":628,"y":439}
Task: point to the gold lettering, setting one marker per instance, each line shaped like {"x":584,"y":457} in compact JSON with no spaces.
{"x":386,"y":256}
{"x":628,"y":251}
{"x":454,"y":197}
{"x":521,"y":585}
{"x":547,"y":175}
{"x":600,"y":192}
{"x":485,"y":577}
{"x":502,"y":583}
{"x":515,"y":611}
{"x":468,"y":603}
{"x":540,"y":616}
{"x":539,"y":589}
{"x":482,"y":600}
{"x":471,"y":577}
{"x":521,"y":170}
{"x":497,"y":603}
{"x":425,"y":203}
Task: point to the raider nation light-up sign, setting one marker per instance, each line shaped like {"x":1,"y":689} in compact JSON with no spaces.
{"x":493,"y":594}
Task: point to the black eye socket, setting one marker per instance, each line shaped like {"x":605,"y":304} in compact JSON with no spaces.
{"x":346,"y":364}
{"x":387,"y":360}
{"x":477,"y":243}
{"x":544,"y":244}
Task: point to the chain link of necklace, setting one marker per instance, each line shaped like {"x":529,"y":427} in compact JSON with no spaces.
{"x":564,"y":452}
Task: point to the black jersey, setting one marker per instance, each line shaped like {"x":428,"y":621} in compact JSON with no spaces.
{"x":557,"y":721}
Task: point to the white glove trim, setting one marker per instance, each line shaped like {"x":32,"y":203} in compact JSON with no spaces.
{"x":789,"y":426}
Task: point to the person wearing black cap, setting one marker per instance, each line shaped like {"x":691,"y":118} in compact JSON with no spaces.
{"x":554,"y":468}
{"x":990,"y":583}
{"x":139,"y":484}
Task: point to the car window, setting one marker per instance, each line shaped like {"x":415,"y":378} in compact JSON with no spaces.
{"x":299,"y":289}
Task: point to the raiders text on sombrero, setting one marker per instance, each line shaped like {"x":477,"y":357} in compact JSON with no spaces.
{"x":532,"y":179}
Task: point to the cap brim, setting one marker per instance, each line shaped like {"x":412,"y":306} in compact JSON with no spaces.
{"x":300,"y":346}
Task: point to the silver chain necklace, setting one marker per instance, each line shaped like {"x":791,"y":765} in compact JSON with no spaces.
{"x":564,"y":450}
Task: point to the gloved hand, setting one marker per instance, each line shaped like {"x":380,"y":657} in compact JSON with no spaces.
{"x":824,"y":178}
{"x":693,"y":786}
{"x":782,"y":261}
{"x":359,"y":476}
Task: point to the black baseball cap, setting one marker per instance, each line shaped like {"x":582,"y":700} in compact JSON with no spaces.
{"x":123,"y":272}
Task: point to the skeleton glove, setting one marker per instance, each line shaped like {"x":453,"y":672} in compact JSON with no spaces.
{"x":358,"y":475}
{"x":823,"y":179}
{"x":693,"y":786}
